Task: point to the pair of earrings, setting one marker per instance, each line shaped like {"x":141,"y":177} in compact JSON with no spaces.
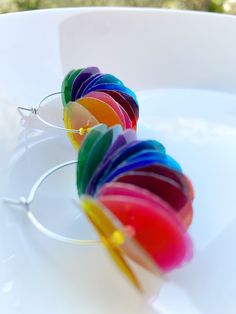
{"x":133,"y":193}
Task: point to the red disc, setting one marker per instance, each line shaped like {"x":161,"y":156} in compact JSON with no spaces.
{"x":156,"y":230}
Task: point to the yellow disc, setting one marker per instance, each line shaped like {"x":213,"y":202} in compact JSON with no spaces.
{"x":77,"y":117}
{"x":111,"y":237}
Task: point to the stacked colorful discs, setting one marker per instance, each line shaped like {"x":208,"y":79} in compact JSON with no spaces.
{"x":90,"y":97}
{"x":137,"y":185}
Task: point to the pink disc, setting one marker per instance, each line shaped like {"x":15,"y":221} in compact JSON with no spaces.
{"x":125,"y":189}
{"x":128,"y":122}
{"x":116,"y":188}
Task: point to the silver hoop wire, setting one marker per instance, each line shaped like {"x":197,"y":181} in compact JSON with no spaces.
{"x":34,"y":110}
{"x":25,"y":202}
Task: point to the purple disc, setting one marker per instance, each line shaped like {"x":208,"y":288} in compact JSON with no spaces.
{"x":89,"y":82}
{"x":159,"y":185}
{"x":122,"y":140}
{"x":81,"y":78}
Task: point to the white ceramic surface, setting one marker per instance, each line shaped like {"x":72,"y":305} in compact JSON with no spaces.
{"x":183,"y":67}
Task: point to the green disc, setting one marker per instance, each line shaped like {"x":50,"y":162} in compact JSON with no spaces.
{"x":67,"y":85}
{"x":85,"y":148}
{"x":97,"y":153}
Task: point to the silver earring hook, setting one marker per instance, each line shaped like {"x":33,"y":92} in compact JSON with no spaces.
{"x":35,"y":111}
{"x":25,"y":203}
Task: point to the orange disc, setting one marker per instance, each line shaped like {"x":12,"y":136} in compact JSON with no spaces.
{"x":100,"y":110}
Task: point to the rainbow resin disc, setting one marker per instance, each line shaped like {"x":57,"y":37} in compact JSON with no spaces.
{"x":101,"y":98}
{"x":143,"y":188}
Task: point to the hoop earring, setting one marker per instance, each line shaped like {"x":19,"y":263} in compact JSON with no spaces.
{"x":134,"y":204}
{"x":88,"y":98}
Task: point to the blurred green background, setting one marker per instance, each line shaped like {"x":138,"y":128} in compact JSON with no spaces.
{"x":220,"y":6}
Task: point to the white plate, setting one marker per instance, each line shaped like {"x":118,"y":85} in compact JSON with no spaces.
{"x":183,"y":67}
